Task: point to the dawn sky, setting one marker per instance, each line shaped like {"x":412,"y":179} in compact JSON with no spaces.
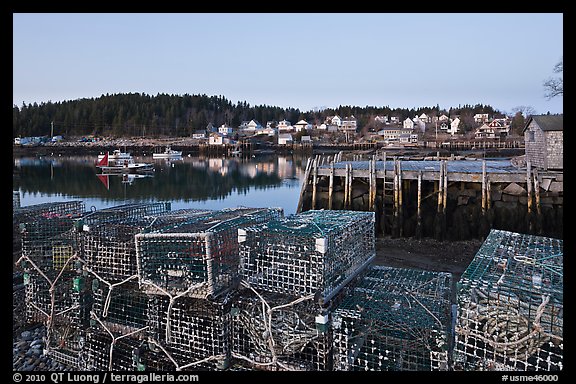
{"x":295,"y":60}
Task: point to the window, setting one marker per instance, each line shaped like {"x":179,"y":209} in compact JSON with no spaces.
{"x":531,"y":136}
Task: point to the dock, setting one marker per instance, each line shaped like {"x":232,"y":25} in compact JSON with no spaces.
{"x":405,"y":194}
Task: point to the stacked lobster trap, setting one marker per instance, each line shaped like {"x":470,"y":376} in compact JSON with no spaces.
{"x":394,"y":319}
{"x":189,"y":270}
{"x":55,"y":293}
{"x":510,"y":305}
{"x":294,"y":270}
{"x":117,"y":336}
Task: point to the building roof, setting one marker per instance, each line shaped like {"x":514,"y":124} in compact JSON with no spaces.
{"x":547,"y":122}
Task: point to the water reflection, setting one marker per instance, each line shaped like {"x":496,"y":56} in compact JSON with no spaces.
{"x":229,"y":181}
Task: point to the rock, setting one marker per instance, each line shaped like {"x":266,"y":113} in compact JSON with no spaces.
{"x":514,"y":189}
{"x":26,"y":335}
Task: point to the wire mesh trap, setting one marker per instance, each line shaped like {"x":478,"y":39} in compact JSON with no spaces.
{"x":510,"y":305}
{"x":189,"y":332}
{"x":274,"y":331}
{"x":316,"y":252}
{"x":394,"y":319}
{"x":197,"y":257}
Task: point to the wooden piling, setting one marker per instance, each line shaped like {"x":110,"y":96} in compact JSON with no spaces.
{"x":440,"y":188}
{"x":445,"y":192}
{"x":483,"y":187}
{"x":529,"y":185}
{"x":537,"y":193}
{"x":488,"y":193}
{"x":400,"y":214}
{"x":331,"y":185}
{"x":304,"y":184}
{"x":372,"y":175}
{"x":419,"y":212}
{"x":314,"y":181}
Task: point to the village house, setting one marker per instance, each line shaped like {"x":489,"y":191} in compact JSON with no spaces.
{"x":381,"y":119}
{"x":302,"y":125}
{"x":394,"y":120}
{"x":424,"y":118}
{"x":225,"y":130}
{"x":480,"y":118}
{"x":199,"y":134}
{"x":285,"y":138}
{"x":408,"y":123}
{"x":544,"y":141}
{"x":285,"y":126}
{"x":348,"y":124}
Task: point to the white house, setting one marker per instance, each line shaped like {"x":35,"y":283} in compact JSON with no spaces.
{"x":408,"y":123}
{"x":381,"y":119}
{"x":302,"y":125}
{"x":225,"y":130}
{"x":336,"y":120}
{"x":322,"y":127}
{"x":454,"y":126}
{"x":424,"y":118}
{"x":284,"y":138}
{"x":216,"y":139}
{"x":306,"y":140}
{"x":480,"y":117}
{"x":443,"y":118}
{"x":348,"y":124}
{"x":252,"y":126}
{"x":395,"y":120}
{"x":199,"y":134}
{"x":285,"y":125}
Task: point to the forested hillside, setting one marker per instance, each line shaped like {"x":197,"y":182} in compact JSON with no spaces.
{"x":136,"y":114}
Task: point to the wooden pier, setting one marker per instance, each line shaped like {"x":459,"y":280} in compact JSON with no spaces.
{"x":427,"y":197}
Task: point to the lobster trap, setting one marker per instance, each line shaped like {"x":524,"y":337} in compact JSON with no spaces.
{"x":189,"y":332}
{"x":394,"y":319}
{"x":316,"y":252}
{"x":107,"y":352}
{"x":510,"y":305}
{"x":59,"y":211}
{"x":197,"y":257}
{"x":15,"y":199}
{"x":124,"y":213}
{"x":121,"y":308}
{"x":274,"y":331}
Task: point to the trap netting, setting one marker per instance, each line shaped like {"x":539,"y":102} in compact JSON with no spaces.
{"x":124,"y":213}
{"x":106,"y":351}
{"x":122,"y":308}
{"x":510,"y":305}
{"x":315,"y":252}
{"x":189,"y":333}
{"x":394,"y":319}
{"x":274,"y":331}
{"x":32,"y":213}
{"x":197,"y":257}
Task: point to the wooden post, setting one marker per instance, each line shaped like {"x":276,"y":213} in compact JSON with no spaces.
{"x":537,"y":193}
{"x":314,"y":181}
{"x":483,"y":187}
{"x":419,"y":213}
{"x":445,"y":193}
{"x":529,"y":185}
{"x":400,"y":223}
{"x":350,"y":185}
{"x":440,"y":193}
{"x":304,"y":183}
{"x":331,"y":185}
{"x":488,"y":193}
{"x":395,"y":184}
{"x":372,"y":199}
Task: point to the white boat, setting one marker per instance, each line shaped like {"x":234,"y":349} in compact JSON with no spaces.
{"x":116,"y":155}
{"x":168,"y":153}
{"x":123,"y":166}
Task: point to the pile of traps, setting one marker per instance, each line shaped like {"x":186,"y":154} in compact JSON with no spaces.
{"x":394,"y":319}
{"x":510,"y":305}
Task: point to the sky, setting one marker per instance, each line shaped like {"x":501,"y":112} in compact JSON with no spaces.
{"x":299,"y":60}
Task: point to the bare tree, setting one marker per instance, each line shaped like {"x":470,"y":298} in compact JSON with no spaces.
{"x":525,"y":110}
{"x":554,"y":86}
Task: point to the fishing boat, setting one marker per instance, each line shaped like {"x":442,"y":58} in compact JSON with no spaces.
{"x":123,"y":166}
{"x":116,"y":155}
{"x":168,"y":153}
